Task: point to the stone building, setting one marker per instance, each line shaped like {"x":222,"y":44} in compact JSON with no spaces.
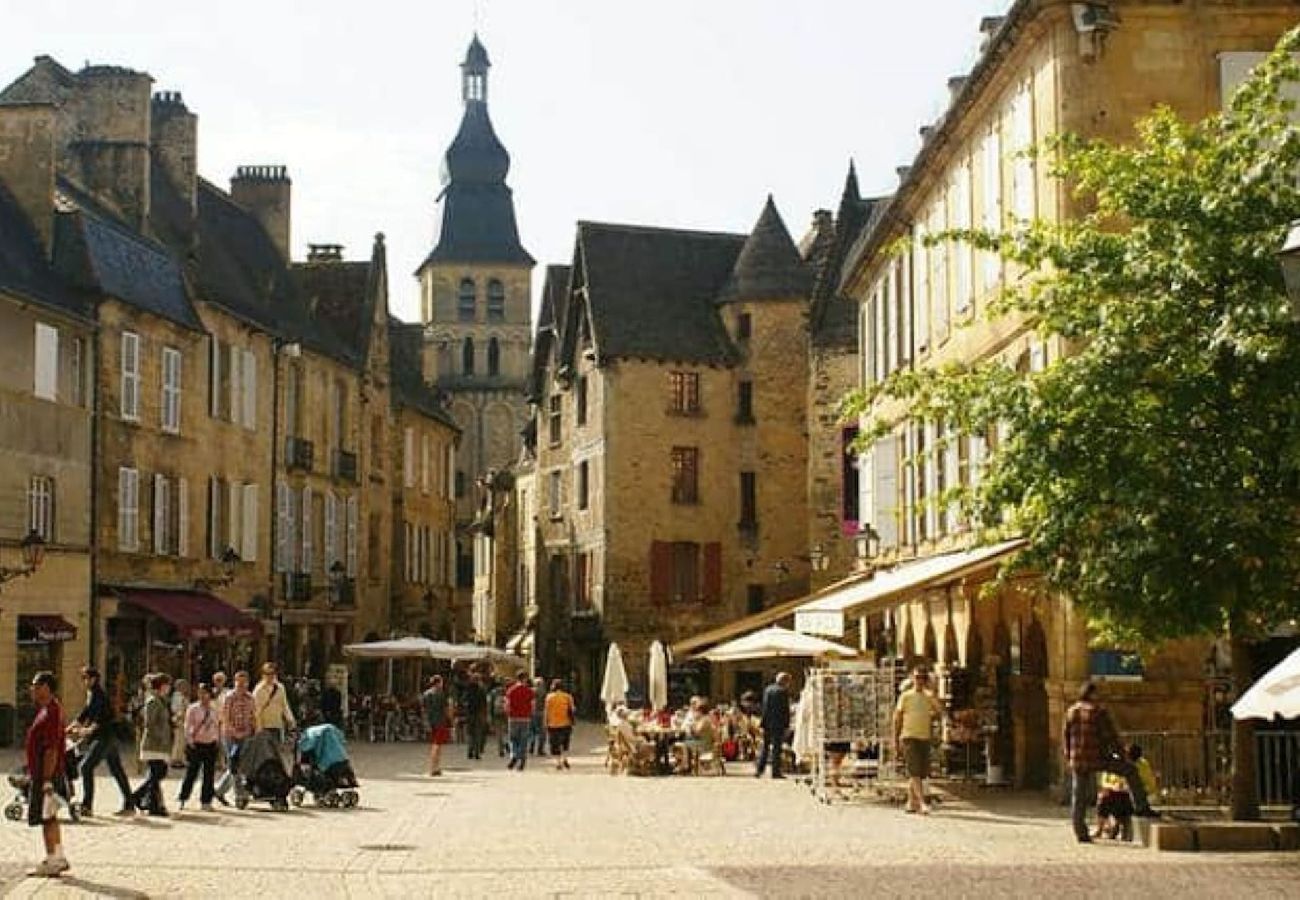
{"x":47,"y":346}
{"x":242,"y":475}
{"x":670,"y":451}
{"x":499,"y":611}
{"x":1047,"y":68}
{"x":476,"y":302}
{"x":424,"y":515}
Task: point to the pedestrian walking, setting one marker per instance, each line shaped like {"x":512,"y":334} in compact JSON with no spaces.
{"x":476,"y":715}
{"x":104,"y":734}
{"x":44,"y":750}
{"x":775,"y":722}
{"x":238,"y":722}
{"x":180,"y":701}
{"x":271,"y":700}
{"x":155,"y":745}
{"x":537,"y":735}
{"x":436,"y":719}
{"x":202,"y":734}
{"x":1091,"y":745}
{"x":520,"y":699}
{"x":914,"y":718}
{"x":559,"y":714}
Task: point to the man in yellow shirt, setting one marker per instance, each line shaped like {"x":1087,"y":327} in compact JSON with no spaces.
{"x":559,"y":722}
{"x":914,"y":718}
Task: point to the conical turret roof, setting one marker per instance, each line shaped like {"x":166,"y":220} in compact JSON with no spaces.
{"x":769,"y":266}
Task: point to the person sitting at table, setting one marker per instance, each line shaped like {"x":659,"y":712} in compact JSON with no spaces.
{"x":700,"y":733}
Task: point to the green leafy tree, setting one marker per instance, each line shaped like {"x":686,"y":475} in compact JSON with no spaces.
{"x":1155,"y":468}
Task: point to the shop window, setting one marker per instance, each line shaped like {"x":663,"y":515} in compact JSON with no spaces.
{"x":1115,"y":664}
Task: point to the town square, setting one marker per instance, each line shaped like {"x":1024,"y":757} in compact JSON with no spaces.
{"x":563,"y":448}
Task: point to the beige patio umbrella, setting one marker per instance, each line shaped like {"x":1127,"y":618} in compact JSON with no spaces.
{"x":613,"y":690}
{"x":776,"y":643}
{"x":658,"y":676}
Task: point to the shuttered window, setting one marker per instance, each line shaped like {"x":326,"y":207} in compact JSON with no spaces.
{"x":250,"y":529}
{"x":331,"y":530}
{"x":182,"y":517}
{"x":308,"y":562}
{"x":884,"y":493}
{"x":161,"y":515}
{"x":128,"y":509}
{"x":40,"y":506}
{"x":130,"y":399}
{"x":408,"y":457}
{"x":352,"y":537}
{"x":171,"y":390}
{"x":45,"y":383}
{"x":283,"y":531}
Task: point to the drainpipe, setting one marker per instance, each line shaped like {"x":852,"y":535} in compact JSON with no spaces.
{"x":95,"y":458}
{"x":274,"y":493}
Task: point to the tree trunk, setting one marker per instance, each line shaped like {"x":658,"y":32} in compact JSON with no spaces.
{"x":1245,"y":788}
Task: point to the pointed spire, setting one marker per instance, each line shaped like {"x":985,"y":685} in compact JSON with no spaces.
{"x":851,"y":191}
{"x":474,"y":72}
{"x":769,"y":266}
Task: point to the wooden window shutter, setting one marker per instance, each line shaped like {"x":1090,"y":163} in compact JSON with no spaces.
{"x":661,"y":572}
{"x":712,"y":573}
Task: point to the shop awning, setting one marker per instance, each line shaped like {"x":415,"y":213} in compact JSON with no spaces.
{"x":826,"y":613}
{"x":195,"y":614}
{"x":46,"y":628}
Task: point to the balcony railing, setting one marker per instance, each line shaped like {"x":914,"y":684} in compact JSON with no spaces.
{"x":299,"y":453}
{"x":343,"y":594}
{"x":297,"y":588}
{"x":345,"y":466}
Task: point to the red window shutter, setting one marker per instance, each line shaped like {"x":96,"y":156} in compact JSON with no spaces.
{"x":712,"y":573}
{"x":661,"y":572}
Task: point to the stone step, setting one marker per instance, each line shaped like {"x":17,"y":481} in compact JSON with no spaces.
{"x":1219,"y":837}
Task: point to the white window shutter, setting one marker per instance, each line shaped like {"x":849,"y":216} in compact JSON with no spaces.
{"x":234,"y":363}
{"x":130,"y":400}
{"x":929,"y":464}
{"x":250,"y":390}
{"x":890,"y":295}
{"x":921,"y":288}
{"x":952,"y":475}
{"x":182,"y":517}
{"x":352,"y":537}
{"x":885,"y":491}
{"x":331,"y":530}
{"x":159,"y":515}
{"x":308,"y":538}
{"x":214,"y":517}
{"x":46,"y":368}
{"x":281,"y":526}
{"x":123,"y":499}
{"x":250,"y":530}
{"x":867,"y":486}
{"x":214,"y":376}
{"x":426,"y":458}
{"x":1037,"y":355}
{"x":408,"y":457}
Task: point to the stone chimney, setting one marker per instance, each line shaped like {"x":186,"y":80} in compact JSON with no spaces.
{"x":955,"y":84}
{"x":989,"y":26}
{"x":109,"y":146}
{"x":265,"y":192}
{"x":321,"y":253}
{"x":174,"y":143}
{"x":27,"y":132}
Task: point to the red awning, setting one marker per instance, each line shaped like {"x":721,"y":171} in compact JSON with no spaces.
{"x":195,"y":614}
{"x":46,"y":628}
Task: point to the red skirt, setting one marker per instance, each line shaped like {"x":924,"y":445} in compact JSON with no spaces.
{"x":441,"y":734}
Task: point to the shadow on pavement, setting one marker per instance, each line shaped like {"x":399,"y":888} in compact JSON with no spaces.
{"x":95,"y":889}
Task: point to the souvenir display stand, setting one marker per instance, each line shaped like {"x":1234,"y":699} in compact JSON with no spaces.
{"x":852,"y":719}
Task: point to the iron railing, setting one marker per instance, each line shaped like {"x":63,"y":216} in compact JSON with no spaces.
{"x":1195,"y":767}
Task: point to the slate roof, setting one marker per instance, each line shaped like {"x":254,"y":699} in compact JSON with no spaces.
{"x":550,"y":320}
{"x":476,"y":210}
{"x":476,"y":56}
{"x":650,"y":292}
{"x":769,"y":266}
{"x":834,"y":316}
{"x":405,"y":345}
{"x":337,"y":294}
{"x":25,"y":270}
{"x":95,"y":250}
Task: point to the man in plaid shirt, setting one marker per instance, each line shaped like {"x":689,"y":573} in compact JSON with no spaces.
{"x":238,"y":722}
{"x":1091,"y":745}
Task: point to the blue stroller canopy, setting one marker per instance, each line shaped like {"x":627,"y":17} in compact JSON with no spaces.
{"x":326,"y":745}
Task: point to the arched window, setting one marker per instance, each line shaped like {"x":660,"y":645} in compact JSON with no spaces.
{"x":494,"y":357}
{"x":496,"y":301}
{"x":467,"y":356}
{"x":466,"y":300}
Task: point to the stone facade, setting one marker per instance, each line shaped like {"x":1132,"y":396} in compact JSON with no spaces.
{"x":669,"y":480}
{"x":1040,"y":74}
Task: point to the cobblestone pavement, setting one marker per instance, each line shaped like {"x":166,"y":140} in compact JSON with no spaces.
{"x":481,"y":830}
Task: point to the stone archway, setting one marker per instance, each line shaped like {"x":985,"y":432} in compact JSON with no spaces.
{"x":1032,"y":724}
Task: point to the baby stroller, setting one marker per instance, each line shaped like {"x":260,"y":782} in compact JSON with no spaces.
{"x":16,"y":809}
{"x":261,"y":774}
{"x":323,"y":769}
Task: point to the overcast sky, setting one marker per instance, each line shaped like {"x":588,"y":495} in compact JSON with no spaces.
{"x":681,"y":113}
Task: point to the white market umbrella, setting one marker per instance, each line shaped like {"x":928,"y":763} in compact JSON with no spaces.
{"x":776,"y":643}
{"x":613,"y":690}
{"x":397,"y":648}
{"x":658,"y":676}
{"x":1276,"y":694}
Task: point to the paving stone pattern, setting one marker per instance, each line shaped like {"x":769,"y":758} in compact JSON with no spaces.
{"x":483,"y":831}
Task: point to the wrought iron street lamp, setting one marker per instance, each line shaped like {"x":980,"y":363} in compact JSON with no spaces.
{"x":33,"y":550}
{"x":819,"y":558}
{"x":867,"y":543}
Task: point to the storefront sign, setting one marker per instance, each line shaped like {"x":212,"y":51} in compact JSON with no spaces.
{"x":827,"y":624}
